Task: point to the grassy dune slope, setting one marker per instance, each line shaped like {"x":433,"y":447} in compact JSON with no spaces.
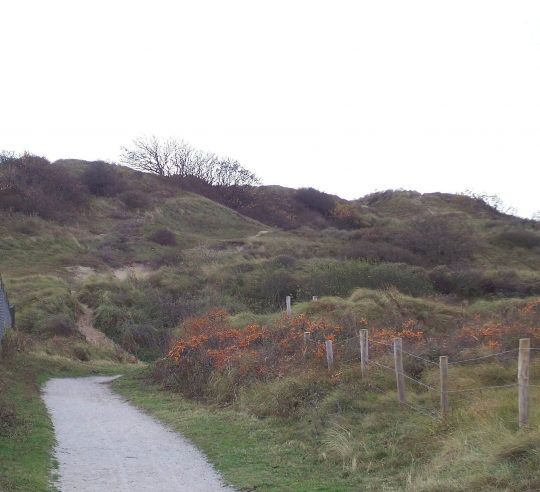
{"x":148,"y":255}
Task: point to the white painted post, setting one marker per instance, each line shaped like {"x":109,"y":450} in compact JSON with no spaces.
{"x":523,"y":380}
{"x":329,"y":354}
{"x":315,"y":298}
{"x":288,"y":303}
{"x":364,"y":355}
{"x":398,"y":364}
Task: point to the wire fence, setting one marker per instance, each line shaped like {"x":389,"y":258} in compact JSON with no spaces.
{"x":7,"y":312}
{"x":379,"y":355}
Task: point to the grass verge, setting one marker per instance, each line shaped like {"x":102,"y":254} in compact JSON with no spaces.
{"x":251,"y":454}
{"x":358,"y":439}
{"x":285,"y":454}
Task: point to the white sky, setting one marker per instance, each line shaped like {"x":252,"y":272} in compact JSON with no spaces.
{"x":346,"y":96}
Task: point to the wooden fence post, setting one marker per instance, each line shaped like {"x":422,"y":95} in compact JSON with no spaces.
{"x":329,"y":354}
{"x":307,"y":338}
{"x":398,"y":364}
{"x":443,"y":368}
{"x":364,"y":354}
{"x":288,"y":303}
{"x":523,"y":381}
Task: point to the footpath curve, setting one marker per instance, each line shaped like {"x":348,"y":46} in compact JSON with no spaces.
{"x":104,"y":443}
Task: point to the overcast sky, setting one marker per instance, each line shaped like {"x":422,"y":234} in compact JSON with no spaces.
{"x":346,"y":96}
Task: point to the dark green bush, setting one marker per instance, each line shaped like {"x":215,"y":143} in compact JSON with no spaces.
{"x":139,"y":315}
{"x":319,"y":201}
{"x":60,"y":325}
{"x":439,"y":239}
{"x":477,"y":283}
{"x":169,"y":258}
{"x":39,"y":298}
{"x":81,"y":352}
{"x":109,"y":318}
{"x":164,"y":237}
{"x":267,"y":289}
{"x":31,"y":185}
{"x":372,"y":251}
{"x":102,"y":179}
{"x":340,"y":278}
{"x":145,"y":341}
{"x":135,"y":200}
{"x":520,"y":238}
{"x":284,"y":261}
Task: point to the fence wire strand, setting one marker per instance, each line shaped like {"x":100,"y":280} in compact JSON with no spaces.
{"x":420,"y":358}
{"x":482,"y":357}
{"x":380,"y":343}
{"x":381,"y":365}
{"x":343,"y":342}
{"x":421,"y":410}
{"x":419,"y":382}
{"x":457,"y":392}
{"x":404,"y":352}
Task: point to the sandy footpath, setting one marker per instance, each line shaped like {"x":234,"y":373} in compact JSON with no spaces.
{"x":106,"y":444}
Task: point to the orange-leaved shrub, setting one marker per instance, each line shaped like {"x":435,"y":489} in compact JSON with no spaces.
{"x":496,"y":334}
{"x":212,"y":353}
{"x":210,"y":348}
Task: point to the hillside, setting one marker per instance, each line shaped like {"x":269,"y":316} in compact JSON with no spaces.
{"x":199,"y":254}
{"x":148,"y":259}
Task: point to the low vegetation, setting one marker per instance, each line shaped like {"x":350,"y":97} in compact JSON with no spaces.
{"x":191,"y":275}
{"x":314,"y":430}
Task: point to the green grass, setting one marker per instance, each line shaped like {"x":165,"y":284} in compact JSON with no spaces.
{"x":348,"y":437}
{"x":353,"y":439}
{"x":311,"y":451}
{"x":27,"y":438}
{"x":39,"y":297}
{"x":251,"y":453}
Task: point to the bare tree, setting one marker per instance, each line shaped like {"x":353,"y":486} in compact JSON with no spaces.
{"x":151,"y":155}
{"x":183,"y":156}
{"x":176,"y":158}
{"x":229,"y":172}
{"x":493,"y":201}
{"x":7,"y":156}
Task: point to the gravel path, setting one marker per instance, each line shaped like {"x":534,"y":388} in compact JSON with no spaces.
{"x":105,"y":444}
